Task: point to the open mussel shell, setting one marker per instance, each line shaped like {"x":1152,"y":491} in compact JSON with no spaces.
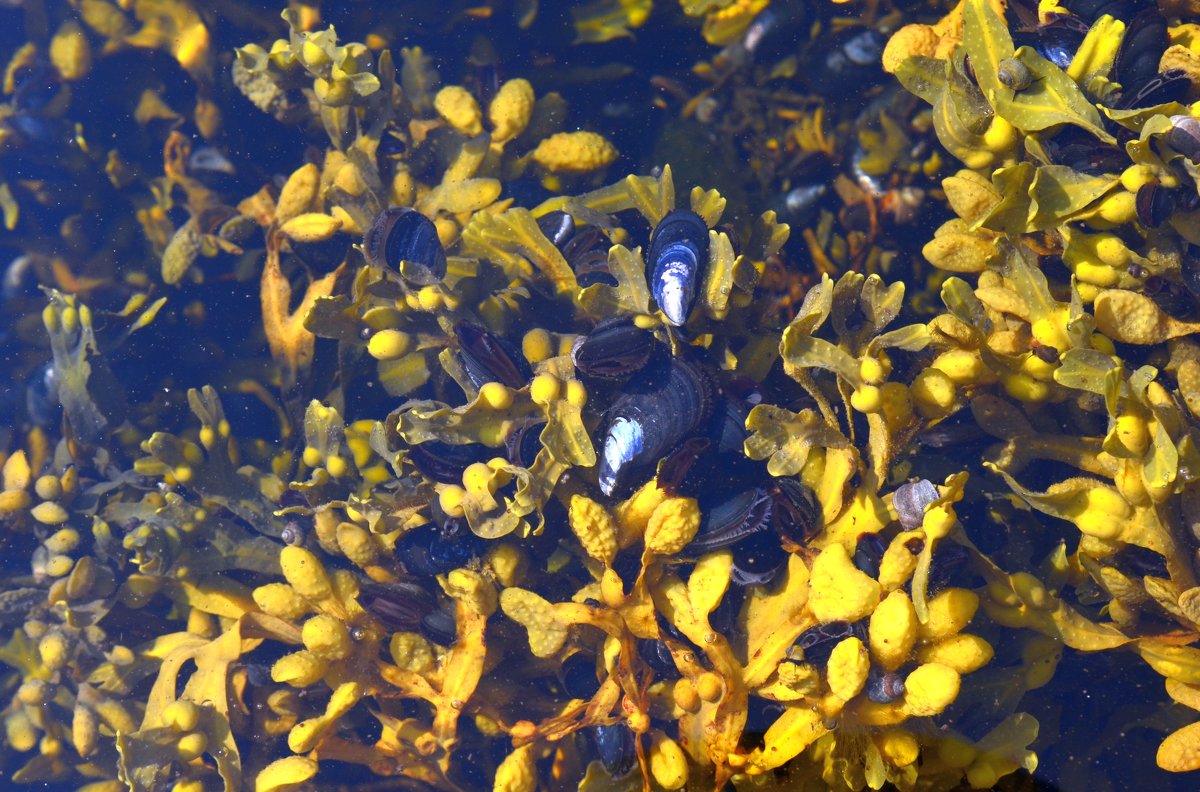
{"x":406,"y":241}
{"x":613,"y":350}
{"x":488,"y":358}
{"x":676,"y":263}
{"x":654,"y":414}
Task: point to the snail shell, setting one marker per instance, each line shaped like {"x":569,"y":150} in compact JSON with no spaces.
{"x":1184,"y":137}
{"x":910,"y":501}
{"x":1014,"y":74}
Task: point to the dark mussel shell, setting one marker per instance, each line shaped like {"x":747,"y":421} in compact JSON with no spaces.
{"x":1080,"y":151}
{"x":614,"y":350}
{"x":1141,"y":49}
{"x":433,"y":550}
{"x":488,"y":358}
{"x":587,"y":253}
{"x":41,"y":396}
{"x":1155,"y":204}
{"x":676,"y":263}
{"x":1056,"y":41}
{"x":817,"y":642}
{"x":1169,"y":86}
{"x":732,"y":520}
{"x":1177,"y":299}
{"x":1189,"y":271}
{"x":675,"y":468}
{"x":1091,"y":10}
{"x":558,"y":227}
{"x":653,"y":415}
{"x":616,"y":746}
{"x":445,"y":462}
{"x":949,"y":561}
{"x":524,"y":443}
{"x":657,"y":655}
{"x":795,"y":515}
{"x":585,"y":249}
{"x":579,"y":676}
{"x":777,"y":31}
{"x":439,"y":627}
{"x":406,"y":241}
{"x":400,"y":607}
{"x":757,"y":560}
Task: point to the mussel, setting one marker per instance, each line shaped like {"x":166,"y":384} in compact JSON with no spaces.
{"x":817,"y":643}
{"x":486,"y":357}
{"x":524,"y":443}
{"x":585,"y":249}
{"x":777,"y":31}
{"x":656,"y":412}
{"x":1092,"y":10}
{"x":757,"y":560}
{"x":1141,"y":49}
{"x":1155,"y":204}
{"x":1057,"y":40}
{"x":732,"y":520}
{"x":432,"y":551}
{"x":440,"y":627}
{"x":558,"y":227}
{"x":613,"y":350}
{"x":41,"y":396}
{"x":676,"y":262}
{"x":616,"y":746}
{"x":406,"y":241}
{"x":445,"y":462}
{"x":398,"y":606}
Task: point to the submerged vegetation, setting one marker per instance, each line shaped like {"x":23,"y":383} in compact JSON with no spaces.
{"x":361,"y":423}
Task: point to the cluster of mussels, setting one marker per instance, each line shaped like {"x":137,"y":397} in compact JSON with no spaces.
{"x":671,"y":490}
{"x":660,"y":407}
